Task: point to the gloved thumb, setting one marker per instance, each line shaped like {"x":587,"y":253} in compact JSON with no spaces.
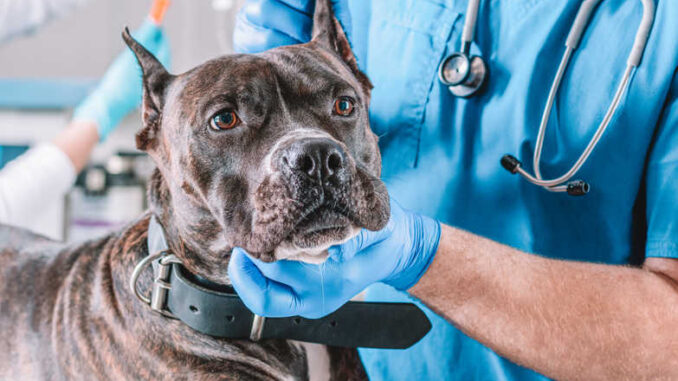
{"x":261,"y":295}
{"x":360,"y":242}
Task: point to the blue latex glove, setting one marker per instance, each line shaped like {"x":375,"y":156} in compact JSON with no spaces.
{"x":266,"y":24}
{"x":119,"y":91}
{"x":397,"y":255}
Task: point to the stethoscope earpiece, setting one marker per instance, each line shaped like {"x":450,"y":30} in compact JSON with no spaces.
{"x":510,"y":163}
{"x":577,"y":188}
{"x":573,"y":188}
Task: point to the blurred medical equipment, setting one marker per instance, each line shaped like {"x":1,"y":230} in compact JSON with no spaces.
{"x":465,"y":75}
{"x":158,"y":9}
{"x":107,"y":196}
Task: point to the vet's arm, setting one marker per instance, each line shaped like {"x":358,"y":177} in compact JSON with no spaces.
{"x":567,"y":320}
{"x":77,"y":141}
{"x":33,"y":181}
{"x":43,"y":175}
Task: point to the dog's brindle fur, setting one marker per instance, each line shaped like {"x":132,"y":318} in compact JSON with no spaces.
{"x":66,"y":311}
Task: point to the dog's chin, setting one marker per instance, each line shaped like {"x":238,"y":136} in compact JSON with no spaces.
{"x":311,"y":238}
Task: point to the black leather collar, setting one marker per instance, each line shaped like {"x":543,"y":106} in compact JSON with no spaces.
{"x":216,"y":310}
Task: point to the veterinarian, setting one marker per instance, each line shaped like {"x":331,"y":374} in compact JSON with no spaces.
{"x":528,"y":282}
{"x":45,"y":173}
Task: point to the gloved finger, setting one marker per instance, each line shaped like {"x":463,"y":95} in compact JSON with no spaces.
{"x":364,"y":239}
{"x":305,"y":6}
{"x":279,"y":16}
{"x":261,"y":295}
{"x":297,"y":275}
{"x":250,"y":38}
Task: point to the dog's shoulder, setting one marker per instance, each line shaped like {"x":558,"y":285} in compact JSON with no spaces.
{"x":28,"y":259}
{"x":20,"y":245}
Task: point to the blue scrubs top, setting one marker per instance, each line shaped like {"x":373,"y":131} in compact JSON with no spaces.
{"x":441,"y":154}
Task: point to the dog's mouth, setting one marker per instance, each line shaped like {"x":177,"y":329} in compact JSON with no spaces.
{"x":321,"y":226}
{"x":301,"y":223}
{"x":314,"y":233}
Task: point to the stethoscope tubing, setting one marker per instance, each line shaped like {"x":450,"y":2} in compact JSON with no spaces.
{"x":578,"y":28}
{"x":537,"y":179}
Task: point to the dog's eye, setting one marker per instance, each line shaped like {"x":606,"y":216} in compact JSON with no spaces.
{"x":224,"y":120}
{"x":344,"y":106}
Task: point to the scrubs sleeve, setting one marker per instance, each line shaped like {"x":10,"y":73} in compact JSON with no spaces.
{"x":33,"y":181}
{"x":19,"y":17}
{"x":662,"y":183}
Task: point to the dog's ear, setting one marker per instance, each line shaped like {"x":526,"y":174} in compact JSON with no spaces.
{"x":327,"y":31}
{"x":155,"y":79}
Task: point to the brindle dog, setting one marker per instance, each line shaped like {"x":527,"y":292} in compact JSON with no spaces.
{"x":270,"y":152}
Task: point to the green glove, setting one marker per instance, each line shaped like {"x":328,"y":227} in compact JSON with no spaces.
{"x":119,"y":91}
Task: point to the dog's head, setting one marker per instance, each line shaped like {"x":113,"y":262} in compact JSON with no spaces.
{"x":270,"y":152}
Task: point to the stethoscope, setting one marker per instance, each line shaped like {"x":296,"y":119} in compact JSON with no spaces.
{"x":465,"y":75}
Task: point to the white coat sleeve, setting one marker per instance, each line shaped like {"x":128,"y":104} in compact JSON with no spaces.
{"x":34,"y":180}
{"x":19,"y":17}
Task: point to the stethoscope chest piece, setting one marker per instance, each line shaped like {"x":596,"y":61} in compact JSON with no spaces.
{"x":463,"y":76}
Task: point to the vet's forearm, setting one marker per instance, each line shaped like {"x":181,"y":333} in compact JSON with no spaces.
{"x":567,"y":320}
{"x":77,"y":141}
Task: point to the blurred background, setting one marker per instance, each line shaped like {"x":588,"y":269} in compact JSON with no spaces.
{"x":45,"y":74}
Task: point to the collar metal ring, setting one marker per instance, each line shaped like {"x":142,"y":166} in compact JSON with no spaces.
{"x":139,"y":268}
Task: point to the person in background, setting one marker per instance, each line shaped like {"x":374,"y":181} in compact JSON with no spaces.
{"x":44,"y":174}
{"x":20,"y":17}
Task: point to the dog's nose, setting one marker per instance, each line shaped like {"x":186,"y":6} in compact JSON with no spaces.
{"x":316,"y":158}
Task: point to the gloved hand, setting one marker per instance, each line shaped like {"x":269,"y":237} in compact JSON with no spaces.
{"x":119,"y":91}
{"x":397,"y":255}
{"x":266,"y":24}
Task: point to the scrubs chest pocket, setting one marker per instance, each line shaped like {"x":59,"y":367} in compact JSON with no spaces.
{"x":406,"y":44}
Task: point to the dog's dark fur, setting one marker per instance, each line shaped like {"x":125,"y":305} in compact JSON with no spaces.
{"x":219,"y":189}
{"x":66,"y":311}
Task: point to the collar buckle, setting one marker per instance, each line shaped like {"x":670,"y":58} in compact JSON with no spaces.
{"x":162,"y":264}
{"x":257,"y":330}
